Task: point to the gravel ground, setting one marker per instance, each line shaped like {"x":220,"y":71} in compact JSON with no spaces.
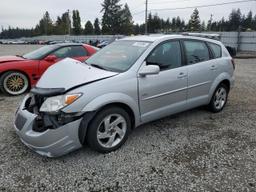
{"x":191,"y":151}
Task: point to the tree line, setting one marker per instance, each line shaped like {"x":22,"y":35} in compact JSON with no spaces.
{"x":117,"y":19}
{"x":236,"y":21}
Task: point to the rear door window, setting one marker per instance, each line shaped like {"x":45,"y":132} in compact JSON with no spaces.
{"x":196,"y":51}
{"x":216,"y":50}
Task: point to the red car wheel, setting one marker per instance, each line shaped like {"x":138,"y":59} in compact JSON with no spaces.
{"x":14,"y":83}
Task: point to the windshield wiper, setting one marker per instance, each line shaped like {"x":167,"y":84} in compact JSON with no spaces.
{"x":98,"y":66}
{"x":101,"y":67}
{"x":20,"y":56}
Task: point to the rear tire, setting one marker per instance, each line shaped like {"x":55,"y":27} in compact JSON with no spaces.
{"x":108,"y":130}
{"x":14,"y":83}
{"x":219,"y":98}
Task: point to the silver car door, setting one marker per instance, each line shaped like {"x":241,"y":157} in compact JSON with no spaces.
{"x":166,"y":92}
{"x":202,"y":71}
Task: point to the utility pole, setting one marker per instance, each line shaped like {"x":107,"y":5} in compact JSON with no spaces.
{"x":146,"y":18}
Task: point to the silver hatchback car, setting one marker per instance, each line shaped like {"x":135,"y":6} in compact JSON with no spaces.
{"x":130,"y":82}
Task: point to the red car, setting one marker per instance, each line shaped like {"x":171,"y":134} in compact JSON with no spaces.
{"x":19,"y":73}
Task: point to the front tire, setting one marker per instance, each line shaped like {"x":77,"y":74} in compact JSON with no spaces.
{"x":14,"y":83}
{"x":219,"y":98}
{"x":108,"y":130}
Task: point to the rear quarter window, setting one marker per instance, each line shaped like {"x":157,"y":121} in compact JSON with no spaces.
{"x":216,"y":50}
{"x":78,"y":51}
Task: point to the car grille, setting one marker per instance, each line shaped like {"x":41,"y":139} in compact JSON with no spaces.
{"x":20,"y":121}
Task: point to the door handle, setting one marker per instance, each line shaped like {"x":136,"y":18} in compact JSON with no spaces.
{"x":213,"y":67}
{"x":182,"y":75}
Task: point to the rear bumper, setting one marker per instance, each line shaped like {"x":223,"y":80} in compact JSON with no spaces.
{"x":50,"y":143}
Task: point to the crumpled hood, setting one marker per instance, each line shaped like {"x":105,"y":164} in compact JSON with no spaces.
{"x":4,"y":59}
{"x":70,"y":73}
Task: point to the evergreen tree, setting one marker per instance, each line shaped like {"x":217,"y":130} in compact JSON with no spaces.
{"x":150,"y":23}
{"x":254,"y":23}
{"x":97,"y":29}
{"x":59,"y":27}
{"x":235,"y":19}
{"x":167,"y":25}
{"x":156,"y":24}
{"x":111,"y":20}
{"x":45,"y":26}
{"x":15,"y":33}
{"x":77,"y":29}
{"x":194,"y":22}
{"x":136,"y":29}
{"x":126,"y":21}
{"x":209,"y":24}
{"x":247,"y":24}
{"x":222,"y":24}
{"x":63,"y":24}
{"x":88,"y":29}
{"x":183,"y":25}
{"x":178,"y":24}
{"x":203,"y":27}
{"x":173,"y":25}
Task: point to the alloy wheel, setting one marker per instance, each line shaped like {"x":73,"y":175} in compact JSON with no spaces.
{"x":220,"y":98}
{"x":15,"y":83}
{"x":111,"y":130}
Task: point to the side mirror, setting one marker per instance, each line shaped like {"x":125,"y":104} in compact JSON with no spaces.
{"x":50,"y":58}
{"x":149,"y":70}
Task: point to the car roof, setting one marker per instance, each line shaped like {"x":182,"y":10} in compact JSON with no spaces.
{"x":159,"y":37}
{"x":67,"y":44}
{"x":150,"y":38}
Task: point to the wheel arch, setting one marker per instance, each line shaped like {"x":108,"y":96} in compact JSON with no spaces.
{"x":226,"y":82}
{"x":224,"y":78}
{"x":124,"y":106}
{"x":119,"y":99}
{"x":103,"y":102}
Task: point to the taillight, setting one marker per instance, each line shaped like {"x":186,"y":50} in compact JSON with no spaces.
{"x":233,"y":63}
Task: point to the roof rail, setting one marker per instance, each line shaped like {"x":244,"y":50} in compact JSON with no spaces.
{"x":204,"y":35}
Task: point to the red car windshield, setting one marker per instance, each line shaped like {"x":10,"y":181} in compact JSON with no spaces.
{"x":40,"y":53}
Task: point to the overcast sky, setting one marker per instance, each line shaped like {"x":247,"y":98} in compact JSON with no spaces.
{"x":27,"y":13}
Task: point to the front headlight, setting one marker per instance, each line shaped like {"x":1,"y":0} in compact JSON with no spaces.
{"x":54,"y":104}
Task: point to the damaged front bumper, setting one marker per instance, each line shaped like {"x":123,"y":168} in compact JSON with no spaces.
{"x":51,"y":141}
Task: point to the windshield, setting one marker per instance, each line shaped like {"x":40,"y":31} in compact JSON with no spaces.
{"x":118,"y":56}
{"x":40,"y":53}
